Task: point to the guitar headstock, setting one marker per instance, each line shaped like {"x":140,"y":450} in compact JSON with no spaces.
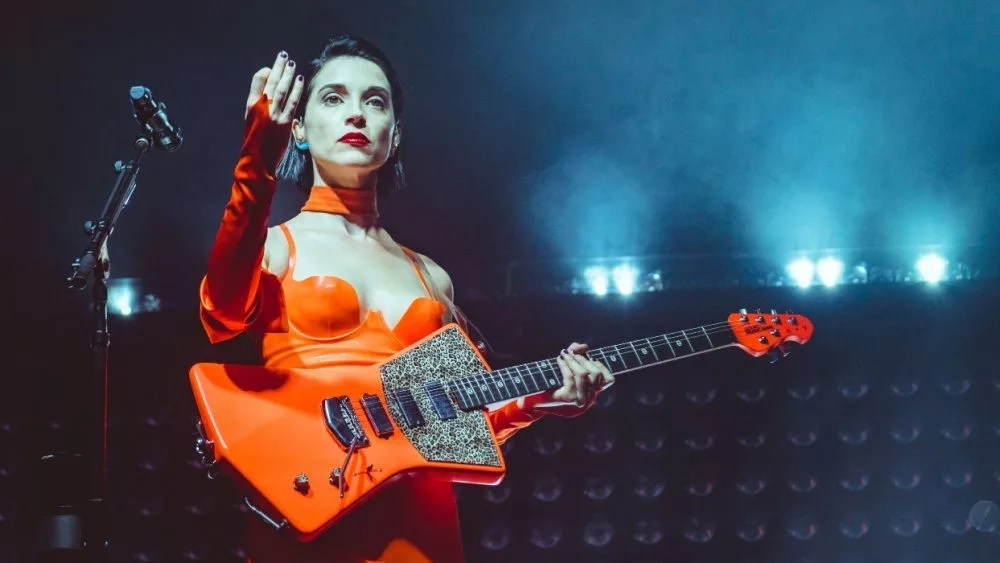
{"x":769,"y":333}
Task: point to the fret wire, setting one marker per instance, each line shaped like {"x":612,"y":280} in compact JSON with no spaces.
{"x":517,"y":376}
{"x":653,"y":348}
{"x":498,"y":383}
{"x":524,"y":381}
{"x":538,"y":387}
{"x":707,"y":336}
{"x":474,"y":386}
{"x":636,"y":352}
{"x":487,"y":385}
{"x":688,"y":340}
{"x":541,"y":371}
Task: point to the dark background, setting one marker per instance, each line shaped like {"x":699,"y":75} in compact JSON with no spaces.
{"x":545,"y":131}
{"x":871,"y":443}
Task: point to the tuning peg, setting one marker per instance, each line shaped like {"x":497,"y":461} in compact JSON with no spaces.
{"x":743,"y":311}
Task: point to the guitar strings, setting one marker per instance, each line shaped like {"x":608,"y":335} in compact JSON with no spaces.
{"x":653,"y":342}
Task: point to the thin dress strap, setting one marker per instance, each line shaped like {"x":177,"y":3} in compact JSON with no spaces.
{"x":413,"y":261}
{"x":291,"y":250}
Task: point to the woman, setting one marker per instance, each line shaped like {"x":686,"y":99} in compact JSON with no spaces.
{"x":330,"y":287}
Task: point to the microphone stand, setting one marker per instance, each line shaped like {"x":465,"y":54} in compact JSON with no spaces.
{"x":77,"y":526}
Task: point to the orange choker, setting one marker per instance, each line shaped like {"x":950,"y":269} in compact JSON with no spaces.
{"x":342,"y":201}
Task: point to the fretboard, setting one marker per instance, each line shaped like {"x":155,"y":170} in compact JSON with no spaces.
{"x":478,"y":390}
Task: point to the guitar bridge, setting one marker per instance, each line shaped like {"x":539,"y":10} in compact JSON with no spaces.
{"x":343,"y":422}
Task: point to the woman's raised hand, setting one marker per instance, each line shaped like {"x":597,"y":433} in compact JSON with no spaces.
{"x":281,"y":86}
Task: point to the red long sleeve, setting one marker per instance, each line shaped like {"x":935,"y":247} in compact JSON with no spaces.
{"x":230,"y":290}
{"x":511,"y":418}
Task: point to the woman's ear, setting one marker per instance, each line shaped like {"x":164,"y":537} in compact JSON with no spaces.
{"x":298,"y":131}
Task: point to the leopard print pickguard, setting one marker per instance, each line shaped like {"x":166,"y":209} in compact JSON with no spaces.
{"x":466,"y":439}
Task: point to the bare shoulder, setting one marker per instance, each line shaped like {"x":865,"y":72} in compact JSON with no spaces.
{"x":439,"y":276}
{"x":275,"y":252}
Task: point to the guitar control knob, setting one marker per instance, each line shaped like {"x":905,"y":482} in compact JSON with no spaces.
{"x":301,"y":483}
{"x":792,"y":320}
{"x":774,"y":332}
{"x":762,"y":340}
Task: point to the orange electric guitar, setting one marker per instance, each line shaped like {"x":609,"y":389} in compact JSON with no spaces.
{"x":310,"y":444}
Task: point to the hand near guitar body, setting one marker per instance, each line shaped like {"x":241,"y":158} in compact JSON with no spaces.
{"x":583,"y":380}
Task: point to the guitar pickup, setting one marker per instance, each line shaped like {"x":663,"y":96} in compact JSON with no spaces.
{"x":440,"y":400}
{"x":377,"y":417}
{"x":343,"y":421}
{"x":408,"y":406}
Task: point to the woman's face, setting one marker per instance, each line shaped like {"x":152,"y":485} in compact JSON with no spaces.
{"x":349,"y":120}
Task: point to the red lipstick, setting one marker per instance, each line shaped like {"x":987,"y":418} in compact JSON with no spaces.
{"x":355,"y":139}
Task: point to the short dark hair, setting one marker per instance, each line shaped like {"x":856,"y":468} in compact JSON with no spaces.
{"x":295,"y":165}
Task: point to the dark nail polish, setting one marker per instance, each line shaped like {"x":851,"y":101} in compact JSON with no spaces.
{"x":291,"y":63}
{"x":283,"y":55}
{"x":299,"y":78}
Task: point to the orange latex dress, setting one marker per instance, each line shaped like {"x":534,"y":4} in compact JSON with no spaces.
{"x":317,"y":322}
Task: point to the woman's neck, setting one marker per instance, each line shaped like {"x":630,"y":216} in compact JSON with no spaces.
{"x":358,"y":207}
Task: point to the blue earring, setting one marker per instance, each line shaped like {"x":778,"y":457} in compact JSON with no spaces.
{"x":302,"y":145}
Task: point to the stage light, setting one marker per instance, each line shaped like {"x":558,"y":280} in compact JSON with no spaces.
{"x":931,"y":267}
{"x":624,"y":276}
{"x":597,"y":279}
{"x":120,"y":300}
{"x":131,"y":296}
{"x":830,"y":271}
{"x":802,"y":272}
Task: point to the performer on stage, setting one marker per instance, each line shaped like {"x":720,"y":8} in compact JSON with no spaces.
{"x":330,"y":287}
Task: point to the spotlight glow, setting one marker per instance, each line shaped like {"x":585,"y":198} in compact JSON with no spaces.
{"x":625,"y":276}
{"x":830,"y":270}
{"x":931,"y":267}
{"x":802,"y":271}
{"x":597,"y":277}
{"x":121,"y":301}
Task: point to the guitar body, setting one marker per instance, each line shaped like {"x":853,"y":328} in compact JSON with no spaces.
{"x":286,"y":434}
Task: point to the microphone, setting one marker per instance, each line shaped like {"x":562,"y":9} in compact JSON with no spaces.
{"x":153,"y":120}
{"x":985,"y":516}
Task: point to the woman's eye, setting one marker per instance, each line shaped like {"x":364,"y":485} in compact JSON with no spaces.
{"x":377,"y":102}
{"x":330,"y":98}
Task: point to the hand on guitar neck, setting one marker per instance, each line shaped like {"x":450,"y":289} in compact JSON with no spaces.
{"x":583,"y":380}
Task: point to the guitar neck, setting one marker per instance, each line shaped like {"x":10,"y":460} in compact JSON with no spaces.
{"x":478,"y":390}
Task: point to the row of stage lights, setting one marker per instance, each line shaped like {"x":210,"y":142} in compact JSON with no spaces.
{"x":829,"y":271}
{"x":130,"y":296}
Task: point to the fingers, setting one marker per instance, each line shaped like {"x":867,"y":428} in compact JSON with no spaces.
{"x":577,"y":348}
{"x":282,"y":89}
{"x":288,"y":111}
{"x":583,"y":377}
{"x":568,"y":391}
{"x":277,"y":70}
{"x":598,"y":376}
{"x":257,"y":85}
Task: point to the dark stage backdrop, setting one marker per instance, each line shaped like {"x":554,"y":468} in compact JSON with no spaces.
{"x":869,"y":444}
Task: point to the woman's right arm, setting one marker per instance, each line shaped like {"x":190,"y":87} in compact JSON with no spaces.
{"x":230,"y":291}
